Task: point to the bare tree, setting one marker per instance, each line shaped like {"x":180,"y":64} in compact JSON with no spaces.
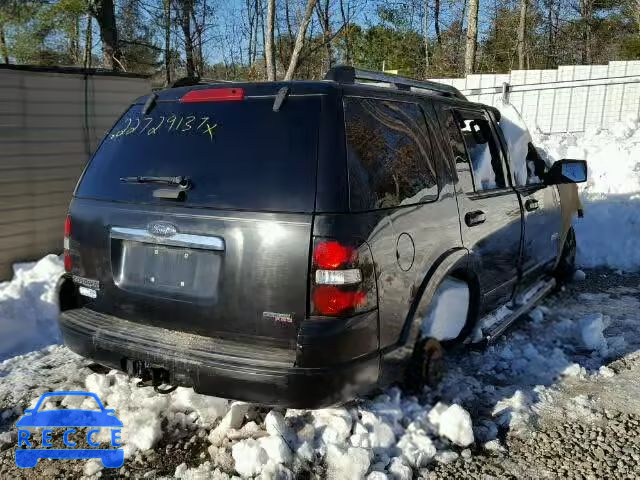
{"x":436,"y":20}
{"x":522,"y":30}
{"x":425,"y":34}
{"x":472,"y":37}
{"x":270,"y":41}
{"x":346,"y":21}
{"x":324,"y":17}
{"x":103,"y":11}
{"x":166,"y":5}
{"x":299,"y":43}
{"x":185,"y":10}
{"x":3,"y":45}
{"x":88,"y":43}
{"x":586,"y":12}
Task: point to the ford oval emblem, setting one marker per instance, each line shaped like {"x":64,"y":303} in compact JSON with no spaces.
{"x":162,"y":229}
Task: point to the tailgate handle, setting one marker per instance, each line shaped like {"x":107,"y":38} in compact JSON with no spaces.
{"x":186,"y":240}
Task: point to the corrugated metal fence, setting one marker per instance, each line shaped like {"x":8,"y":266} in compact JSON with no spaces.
{"x":568,"y":99}
{"x":50,"y":122}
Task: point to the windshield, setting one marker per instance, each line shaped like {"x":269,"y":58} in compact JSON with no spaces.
{"x":237,"y":155}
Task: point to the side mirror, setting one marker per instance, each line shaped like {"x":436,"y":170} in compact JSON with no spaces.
{"x":566,"y":171}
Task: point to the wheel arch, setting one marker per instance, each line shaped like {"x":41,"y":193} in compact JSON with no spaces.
{"x":453,"y":263}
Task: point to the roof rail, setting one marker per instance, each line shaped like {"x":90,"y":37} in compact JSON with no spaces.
{"x":348,"y":74}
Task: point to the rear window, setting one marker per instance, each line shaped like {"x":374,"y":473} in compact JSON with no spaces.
{"x":238,"y":154}
{"x":389,"y":155}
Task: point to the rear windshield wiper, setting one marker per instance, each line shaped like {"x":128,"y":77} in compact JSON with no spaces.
{"x":180,"y":181}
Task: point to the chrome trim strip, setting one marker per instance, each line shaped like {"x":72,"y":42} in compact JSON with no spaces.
{"x":178,"y":240}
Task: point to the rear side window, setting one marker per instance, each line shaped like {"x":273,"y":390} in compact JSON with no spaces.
{"x":389,"y":154}
{"x":238,"y":155}
{"x":473,"y":142}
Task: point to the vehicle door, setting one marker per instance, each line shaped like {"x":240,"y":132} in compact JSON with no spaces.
{"x":542,"y":215}
{"x":490,"y":213}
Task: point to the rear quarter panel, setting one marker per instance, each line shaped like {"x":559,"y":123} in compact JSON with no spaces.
{"x":405,"y":242}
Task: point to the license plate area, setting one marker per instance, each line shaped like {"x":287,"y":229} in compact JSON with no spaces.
{"x":168,"y":271}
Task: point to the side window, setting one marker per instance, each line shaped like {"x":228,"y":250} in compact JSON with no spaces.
{"x":473,"y":142}
{"x":388,"y":154}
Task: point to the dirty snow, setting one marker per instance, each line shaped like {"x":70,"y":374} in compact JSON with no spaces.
{"x":502,"y":389}
{"x":28,"y":307}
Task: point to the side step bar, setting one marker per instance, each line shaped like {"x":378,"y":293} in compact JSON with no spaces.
{"x":522,"y":304}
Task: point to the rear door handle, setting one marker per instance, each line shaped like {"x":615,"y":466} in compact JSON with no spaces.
{"x":531,"y":205}
{"x":474,"y":218}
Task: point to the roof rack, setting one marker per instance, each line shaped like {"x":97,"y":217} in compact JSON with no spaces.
{"x":348,"y":74}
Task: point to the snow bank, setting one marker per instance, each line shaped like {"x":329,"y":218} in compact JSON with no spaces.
{"x":28,"y":307}
{"x":611,"y":196}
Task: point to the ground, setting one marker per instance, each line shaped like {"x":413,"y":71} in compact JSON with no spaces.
{"x":557,"y":395}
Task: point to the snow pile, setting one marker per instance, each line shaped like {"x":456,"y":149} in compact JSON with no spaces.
{"x":592,"y":333}
{"x":28,"y":307}
{"x":518,"y":137}
{"x":611,"y":196}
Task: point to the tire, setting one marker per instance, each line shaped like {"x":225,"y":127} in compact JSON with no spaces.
{"x":426,"y":365}
{"x":567,"y":264}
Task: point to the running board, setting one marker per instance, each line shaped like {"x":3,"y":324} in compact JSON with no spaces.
{"x":521,"y":305}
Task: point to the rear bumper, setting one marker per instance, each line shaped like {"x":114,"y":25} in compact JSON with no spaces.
{"x":256,"y":374}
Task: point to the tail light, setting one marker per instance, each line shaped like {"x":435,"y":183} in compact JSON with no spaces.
{"x":67,"y":236}
{"x":342,"y":278}
{"x":213,"y":95}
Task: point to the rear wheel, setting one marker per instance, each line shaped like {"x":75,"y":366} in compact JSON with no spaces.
{"x":445,"y":319}
{"x":567,"y":265}
{"x":426,"y":366}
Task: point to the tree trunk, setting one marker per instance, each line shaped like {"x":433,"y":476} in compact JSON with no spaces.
{"x":264,"y":36}
{"x":302,"y":33}
{"x":472,"y":37}
{"x":436,"y":20}
{"x":457,"y":64}
{"x":88,"y":43}
{"x":104,"y":12}
{"x":522,"y":29}
{"x":250,"y":20}
{"x":325,"y":24}
{"x":167,"y":42}
{"x":74,"y":40}
{"x":347,"y":29}
{"x":270,"y":41}
{"x":185,"y":23}
{"x":586,"y":12}
{"x":3,"y":46}
{"x":425,"y":33}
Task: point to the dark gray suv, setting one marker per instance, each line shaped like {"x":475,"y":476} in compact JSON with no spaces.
{"x":280,"y":242}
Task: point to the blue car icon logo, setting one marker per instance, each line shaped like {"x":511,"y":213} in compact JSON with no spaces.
{"x":69,"y":418}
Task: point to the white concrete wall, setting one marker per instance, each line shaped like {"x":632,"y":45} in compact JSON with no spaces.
{"x":572,"y":98}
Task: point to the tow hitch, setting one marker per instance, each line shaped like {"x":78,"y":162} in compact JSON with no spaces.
{"x":150,"y":376}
